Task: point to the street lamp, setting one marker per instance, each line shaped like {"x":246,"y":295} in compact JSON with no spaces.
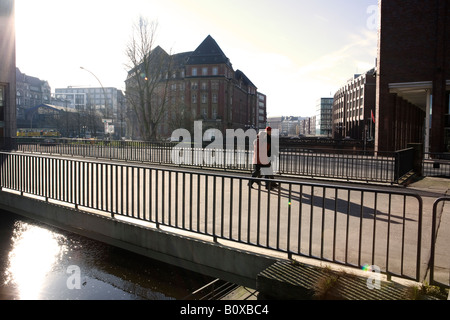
{"x":103,"y":88}
{"x":104,"y":93}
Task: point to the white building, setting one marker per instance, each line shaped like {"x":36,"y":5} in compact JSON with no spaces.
{"x":324,"y":117}
{"x":110,"y":101}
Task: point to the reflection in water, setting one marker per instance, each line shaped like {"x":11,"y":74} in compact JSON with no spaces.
{"x":35,"y":251}
{"x":36,"y":262}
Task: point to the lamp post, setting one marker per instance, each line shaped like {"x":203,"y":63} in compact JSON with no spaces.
{"x":104,"y":93}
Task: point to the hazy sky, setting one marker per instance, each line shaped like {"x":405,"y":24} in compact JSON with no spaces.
{"x":294,"y":51}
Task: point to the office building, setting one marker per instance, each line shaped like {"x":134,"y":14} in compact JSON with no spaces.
{"x":413,"y":75}
{"x":324,"y":117}
{"x":354,"y":108}
{"x":108,"y":100}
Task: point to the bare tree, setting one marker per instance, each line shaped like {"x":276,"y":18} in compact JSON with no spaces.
{"x":148,"y":79}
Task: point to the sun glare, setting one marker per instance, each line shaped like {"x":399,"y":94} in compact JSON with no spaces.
{"x":34,"y":252}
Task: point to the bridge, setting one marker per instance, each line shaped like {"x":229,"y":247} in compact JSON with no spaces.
{"x":186,"y":216}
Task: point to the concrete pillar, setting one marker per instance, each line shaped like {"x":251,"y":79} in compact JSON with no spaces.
{"x":8,"y":66}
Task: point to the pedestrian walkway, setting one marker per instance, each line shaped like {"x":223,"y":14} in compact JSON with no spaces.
{"x":347,"y":223}
{"x":294,"y":280}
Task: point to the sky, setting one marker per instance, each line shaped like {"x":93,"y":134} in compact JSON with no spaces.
{"x":294,"y":51}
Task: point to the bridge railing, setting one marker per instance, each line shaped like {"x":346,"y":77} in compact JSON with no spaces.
{"x":383,"y":167}
{"x":436,"y":164}
{"x":345,"y":225}
{"x":440,"y":236}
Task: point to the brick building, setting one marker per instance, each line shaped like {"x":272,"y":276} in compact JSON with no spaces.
{"x":200,"y":85}
{"x":7,"y":70}
{"x":353,"y":106}
{"x":413,"y":75}
{"x":30,"y":92}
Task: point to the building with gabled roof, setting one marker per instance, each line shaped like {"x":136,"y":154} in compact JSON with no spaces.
{"x":203,"y":86}
{"x":208,"y":52}
{"x":30,"y":92}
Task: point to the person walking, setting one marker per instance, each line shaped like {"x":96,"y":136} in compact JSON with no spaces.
{"x":262,"y":153}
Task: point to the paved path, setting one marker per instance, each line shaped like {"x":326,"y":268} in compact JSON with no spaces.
{"x":347,"y":223}
{"x":430,"y":188}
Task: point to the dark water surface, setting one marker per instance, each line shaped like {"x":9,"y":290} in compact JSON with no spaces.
{"x":38,"y":262}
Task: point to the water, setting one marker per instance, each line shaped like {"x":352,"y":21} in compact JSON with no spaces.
{"x":38,"y":262}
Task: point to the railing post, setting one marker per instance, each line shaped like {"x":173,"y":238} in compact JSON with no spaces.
{"x":434,"y":237}
{"x":418,"y":158}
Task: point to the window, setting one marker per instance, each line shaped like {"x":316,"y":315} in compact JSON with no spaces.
{"x":215,"y":71}
{"x":204,"y":98}
{"x":194,"y":98}
{"x":205,"y":71}
{"x":194,"y":72}
{"x":214,"y":98}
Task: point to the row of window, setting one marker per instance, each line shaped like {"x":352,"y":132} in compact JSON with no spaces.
{"x":353,"y":109}
{"x":204,"y":98}
{"x":195,"y":86}
{"x":205,"y":85}
{"x":85,"y":91}
{"x":205,"y":71}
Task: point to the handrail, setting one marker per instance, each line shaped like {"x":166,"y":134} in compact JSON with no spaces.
{"x":349,"y":225}
{"x":434,"y":229}
{"x":349,"y":165}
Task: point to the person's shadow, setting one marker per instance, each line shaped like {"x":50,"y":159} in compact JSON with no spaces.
{"x":340,"y":205}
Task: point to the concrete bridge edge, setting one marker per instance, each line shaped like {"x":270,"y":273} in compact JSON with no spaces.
{"x":208,"y":258}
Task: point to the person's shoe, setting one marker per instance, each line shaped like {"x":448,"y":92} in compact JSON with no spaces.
{"x":272,"y":187}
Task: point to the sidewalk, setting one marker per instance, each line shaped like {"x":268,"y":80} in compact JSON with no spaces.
{"x":293,"y":280}
{"x":436,"y":186}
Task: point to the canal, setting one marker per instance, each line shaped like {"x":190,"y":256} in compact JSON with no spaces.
{"x":38,"y":262}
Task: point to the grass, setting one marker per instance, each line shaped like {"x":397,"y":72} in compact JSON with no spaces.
{"x":427,"y":292}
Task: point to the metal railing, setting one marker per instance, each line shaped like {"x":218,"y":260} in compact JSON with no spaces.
{"x":347,"y":165}
{"x":404,"y":163}
{"x":383,"y":167}
{"x":436,"y":164}
{"x":439,"y":261}
{"x":345,"y":225}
